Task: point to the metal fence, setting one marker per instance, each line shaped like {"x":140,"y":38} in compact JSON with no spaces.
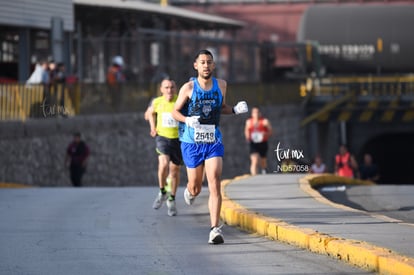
{"x":151,"y":54}
{"x":20,"y":102}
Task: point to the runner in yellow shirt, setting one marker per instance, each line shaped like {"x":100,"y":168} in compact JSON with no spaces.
{"x":165,"y":130}
{"x":147,"y":115}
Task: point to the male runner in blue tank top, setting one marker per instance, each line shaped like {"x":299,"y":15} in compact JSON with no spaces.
{"x":198,"y":107}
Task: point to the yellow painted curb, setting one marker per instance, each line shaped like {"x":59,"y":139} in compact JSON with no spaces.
{"x":324,"y":179}
{"x":13,"y":185}
{"x":361,"y":254}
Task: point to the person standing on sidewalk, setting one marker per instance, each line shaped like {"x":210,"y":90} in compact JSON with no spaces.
{"x":77,"y":154}
{"x":164,"y":128}
{"x":199,"y":105}
{"x":257,"y":131}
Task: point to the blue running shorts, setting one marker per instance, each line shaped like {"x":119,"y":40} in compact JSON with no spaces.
{"x":194,"y":154}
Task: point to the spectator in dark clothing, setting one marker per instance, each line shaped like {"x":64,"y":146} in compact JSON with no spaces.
{"x":368,"y":170}
{"x":77,"y":154}
{"x":45,"y":81}
{"x":60,"y":81}
{"x":51,"y":70}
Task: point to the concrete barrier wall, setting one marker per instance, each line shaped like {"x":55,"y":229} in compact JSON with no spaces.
{"x":122,"y":152}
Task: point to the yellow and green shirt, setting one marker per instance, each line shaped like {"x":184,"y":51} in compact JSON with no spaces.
{"x":166,"y":126}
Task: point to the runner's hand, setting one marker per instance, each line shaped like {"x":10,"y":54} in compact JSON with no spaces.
{"x":192,"y":121}
{"x":240,"y":108}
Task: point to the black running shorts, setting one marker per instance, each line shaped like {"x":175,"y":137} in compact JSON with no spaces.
{"x":260,"y":148}
{"x":170,"y":147}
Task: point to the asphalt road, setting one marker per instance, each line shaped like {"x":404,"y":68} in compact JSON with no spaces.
{"x":115,"y":231}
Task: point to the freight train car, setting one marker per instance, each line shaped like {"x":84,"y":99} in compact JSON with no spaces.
{"x":360,"y":39}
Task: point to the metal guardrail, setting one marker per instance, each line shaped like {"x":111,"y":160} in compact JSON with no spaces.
{"x":362,"y":85}
{"x":20,"y":101}
{"x":360,"y":98}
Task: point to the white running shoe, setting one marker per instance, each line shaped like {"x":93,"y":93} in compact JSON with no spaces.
{"x":159,"y":200}
{"x":216,"y":237}
{"x":189,"y":199}
{"x":172,"y":209}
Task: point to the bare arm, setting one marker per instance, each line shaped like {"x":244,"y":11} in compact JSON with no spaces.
{"x":183,"y":95}
{"x":240,"y":108}
{"x":246,"y":131}
{"x":147,"y":113}
{"x":225,"y":108}
{"x":269,"y":128}
{"x":152,"y":118}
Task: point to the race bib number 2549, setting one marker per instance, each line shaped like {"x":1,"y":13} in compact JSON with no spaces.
{"x":205,"y":133}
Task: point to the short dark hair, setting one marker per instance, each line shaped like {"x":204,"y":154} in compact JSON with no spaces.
{"x":77,"y":134}
{"x":206,"y":52}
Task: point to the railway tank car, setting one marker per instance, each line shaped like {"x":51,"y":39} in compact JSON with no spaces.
{"x":360,"y":39}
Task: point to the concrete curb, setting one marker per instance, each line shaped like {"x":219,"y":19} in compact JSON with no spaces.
{"x":358,"y":253}
{"x":13,"y":185}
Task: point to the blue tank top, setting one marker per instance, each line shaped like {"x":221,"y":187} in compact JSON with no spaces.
{"x":207,"y":105}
